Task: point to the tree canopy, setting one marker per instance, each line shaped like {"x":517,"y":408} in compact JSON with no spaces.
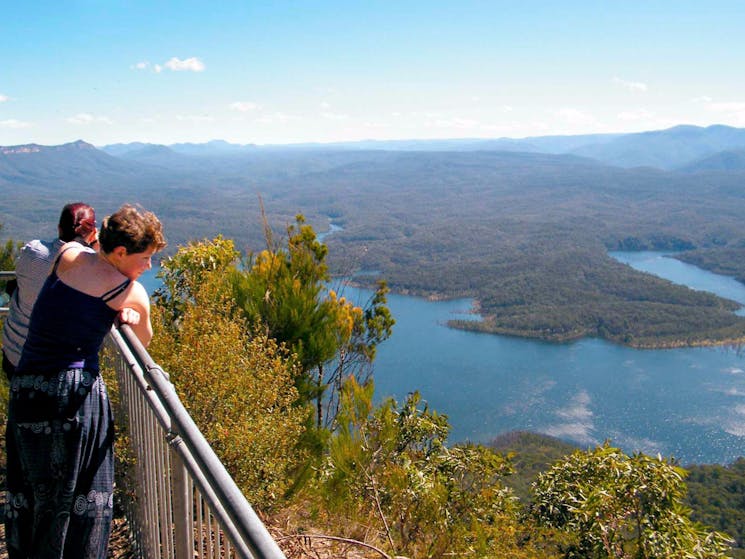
{"x":623,"y":506}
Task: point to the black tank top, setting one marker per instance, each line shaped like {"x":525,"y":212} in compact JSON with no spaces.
{"x":67,"y":328}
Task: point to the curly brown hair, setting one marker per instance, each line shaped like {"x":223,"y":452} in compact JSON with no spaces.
{"x":133,"y":228}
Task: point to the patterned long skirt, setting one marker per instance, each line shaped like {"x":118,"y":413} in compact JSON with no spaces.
{"x":59,"y":442}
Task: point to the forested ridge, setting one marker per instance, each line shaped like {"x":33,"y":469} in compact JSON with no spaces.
{"x":525,"y":234}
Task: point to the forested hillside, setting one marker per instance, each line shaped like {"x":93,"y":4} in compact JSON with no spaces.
{"x":526,"y":234}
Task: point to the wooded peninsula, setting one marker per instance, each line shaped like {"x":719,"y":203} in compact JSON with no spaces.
{"x":526,"y":235}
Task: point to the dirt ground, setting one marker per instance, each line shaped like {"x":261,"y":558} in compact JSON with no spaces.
{"x":119,"y":547}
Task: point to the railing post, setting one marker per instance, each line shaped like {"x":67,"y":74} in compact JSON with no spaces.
{"x":183,"y":509}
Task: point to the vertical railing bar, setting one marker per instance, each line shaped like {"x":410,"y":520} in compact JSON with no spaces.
{"x":157,"y":474}
{"x":219,"y":539}
{"x":125,"y":397}
{"x":140,"y":443}
{"x":192,"y":493}
{"x":210,"y":552}
{"x":138,"y":503}
{"x":142,"y":477}
{"x":200,"y":514}
{"x":146,"y":473}
{"x":155,"y":527}
{"x":168,"y":473}
{"x":216,"y":539}
{"x":165,"y":508}
{"x":137,"y":444}
{"x":182,"y":508}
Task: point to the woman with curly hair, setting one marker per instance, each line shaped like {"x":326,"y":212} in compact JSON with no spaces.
{"x":60,"y":426}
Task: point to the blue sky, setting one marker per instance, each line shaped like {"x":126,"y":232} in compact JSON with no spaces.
{"x":323,"y":71}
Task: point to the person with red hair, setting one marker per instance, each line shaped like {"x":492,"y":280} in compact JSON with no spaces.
{"x":77,"y":223}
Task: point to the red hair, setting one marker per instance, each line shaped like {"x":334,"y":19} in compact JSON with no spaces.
{"x":76,"y":220}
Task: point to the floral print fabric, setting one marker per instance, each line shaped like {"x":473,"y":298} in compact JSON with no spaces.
{"x":59,"y":438}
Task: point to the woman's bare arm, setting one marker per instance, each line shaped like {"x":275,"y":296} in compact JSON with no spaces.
{"x":135,"y":311}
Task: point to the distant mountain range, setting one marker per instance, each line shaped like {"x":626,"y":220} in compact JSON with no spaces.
{"x":216,"y":184}
{"x":523,"y":226}
{"x":684,"y":148}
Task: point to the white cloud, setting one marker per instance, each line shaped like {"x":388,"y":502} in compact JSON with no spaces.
{"x":702,"y":99}
{"x":192,"y":64}
{"x":459,"y":123}
{"x":726,"y":107}
{"x":175,"y":64}
{"x":87,"y":118}
{"x":244,"y":106}
{"x":733,"y":112}
{"x":334,"y":116}
{"x":375,"y":125}
{"x":631,"y":86}
{"x":13,"y":123}
{"x":195,"y":118}
{"x":575,"y":116}
{"x":274,"y":117}
{"x":4,"y":98}
{"x":638,"y":114}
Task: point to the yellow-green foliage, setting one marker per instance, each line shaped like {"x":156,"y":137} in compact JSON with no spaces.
{"x":236,"y":384}
{"x":389,"y":469}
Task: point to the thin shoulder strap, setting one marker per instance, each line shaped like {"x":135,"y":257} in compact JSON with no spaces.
{"x":59,"y":257}
{"x":116,"y":291}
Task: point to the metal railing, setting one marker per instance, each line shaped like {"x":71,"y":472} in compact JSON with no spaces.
{"x":185,"y":502}
{"x":4,"y":275}
{"x":179,"y":500}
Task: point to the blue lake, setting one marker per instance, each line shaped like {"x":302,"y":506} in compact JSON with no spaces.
{"x":688,"y":403}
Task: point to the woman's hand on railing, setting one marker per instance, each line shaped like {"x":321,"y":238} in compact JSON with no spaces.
{"x":128,"y":315}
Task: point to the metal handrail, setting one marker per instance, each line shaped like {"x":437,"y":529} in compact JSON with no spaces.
{"x":5,"y":275}
{"x":243,"y":528}
{"x":181,"y":483}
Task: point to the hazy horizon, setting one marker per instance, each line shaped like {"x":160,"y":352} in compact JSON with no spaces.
{"x":324,"y":72}
{"x":364,"y":140}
